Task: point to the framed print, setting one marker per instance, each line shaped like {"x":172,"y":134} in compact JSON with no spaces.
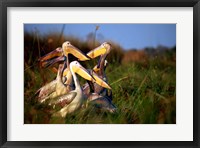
{"x":82,"y":73}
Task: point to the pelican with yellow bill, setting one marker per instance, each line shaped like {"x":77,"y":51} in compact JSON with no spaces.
{"x":97,"y":95}
{"x":103,"y":50}
{"x":59,"y":54}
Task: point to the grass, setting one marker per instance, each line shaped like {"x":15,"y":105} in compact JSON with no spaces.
{"x":142,"y":96}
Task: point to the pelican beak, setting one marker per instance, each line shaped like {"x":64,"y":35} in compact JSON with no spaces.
{"x":100,"y":82}
{"x":77,"y":53}
{"x":50,"y":62}
{"x":55,"y":53}
{"x":97,"y":52}
{"x":83,"y":72}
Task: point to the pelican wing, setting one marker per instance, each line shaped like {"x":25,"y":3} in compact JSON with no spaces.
{"x":103,"y":103}
{"x":63,"y":100}
{"x":46,"y":90}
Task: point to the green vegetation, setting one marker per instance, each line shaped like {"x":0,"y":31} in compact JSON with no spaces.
{"x":144,"y":90}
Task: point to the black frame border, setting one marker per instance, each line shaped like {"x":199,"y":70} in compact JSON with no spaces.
{"x":98,"y":3}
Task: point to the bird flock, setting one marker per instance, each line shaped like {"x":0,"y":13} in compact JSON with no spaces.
{"x":65,"y":94}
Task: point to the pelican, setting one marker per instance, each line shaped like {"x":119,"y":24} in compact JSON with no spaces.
{"x":96,"y":94}
{"x":73,"y":100}
{"x":59,"y":88}
{"x":62,"y":55}
{"x":103,"y":50}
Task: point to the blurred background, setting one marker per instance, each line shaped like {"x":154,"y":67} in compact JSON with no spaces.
{"x":141,"y":70}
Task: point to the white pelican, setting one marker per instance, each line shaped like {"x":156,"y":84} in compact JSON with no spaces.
{"x":59,"y":87}
{"x":103,"y":50}
{"x":62,"y":54}
{"x":98,"y":95}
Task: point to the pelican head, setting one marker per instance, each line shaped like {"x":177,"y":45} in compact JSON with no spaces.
{"x":103,"y":49}
{"x":77,"y":68}
{"x":67,"y":48}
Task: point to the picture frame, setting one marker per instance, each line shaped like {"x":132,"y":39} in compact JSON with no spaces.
{"x":101,"y":3}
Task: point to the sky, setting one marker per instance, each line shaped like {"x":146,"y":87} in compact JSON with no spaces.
{"x":129,"y":36}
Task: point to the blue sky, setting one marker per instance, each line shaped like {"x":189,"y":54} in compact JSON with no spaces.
{"x":127,"y":35}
